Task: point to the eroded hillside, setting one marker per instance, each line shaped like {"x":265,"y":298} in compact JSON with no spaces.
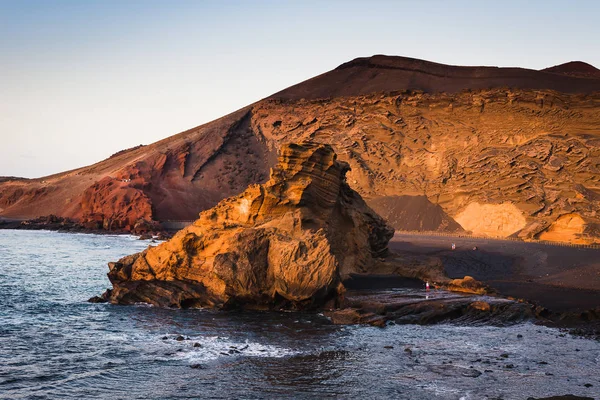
{"x":500,"y":161}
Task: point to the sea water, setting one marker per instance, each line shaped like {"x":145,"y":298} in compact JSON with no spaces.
{"x":55,"y":345}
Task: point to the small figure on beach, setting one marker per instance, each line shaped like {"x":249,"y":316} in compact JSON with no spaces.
{"x":453,"y":246}
{"x":474,"y":247}
{"x":427,"y":286}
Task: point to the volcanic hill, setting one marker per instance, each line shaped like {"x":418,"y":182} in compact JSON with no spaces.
{"x":503,"y":151}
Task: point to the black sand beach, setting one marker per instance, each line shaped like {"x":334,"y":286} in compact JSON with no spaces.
{"x":562,"y":279}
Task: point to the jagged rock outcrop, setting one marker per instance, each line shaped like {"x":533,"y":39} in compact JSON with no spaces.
{"x":287,"y":243}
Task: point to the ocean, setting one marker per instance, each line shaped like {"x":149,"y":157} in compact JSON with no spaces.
{"x":56,"y":345}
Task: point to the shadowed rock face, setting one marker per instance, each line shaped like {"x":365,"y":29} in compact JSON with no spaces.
{"x":287,"y":243}
{"x":413,"y":213}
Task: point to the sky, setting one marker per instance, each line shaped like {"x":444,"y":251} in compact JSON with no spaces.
{"x":81,"y":80}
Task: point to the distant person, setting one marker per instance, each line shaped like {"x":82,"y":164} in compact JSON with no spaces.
{"x":474,"y":247}
{"x":453,"y":246}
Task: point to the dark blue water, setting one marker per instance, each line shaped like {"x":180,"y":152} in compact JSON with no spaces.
{"x":53,"y":344}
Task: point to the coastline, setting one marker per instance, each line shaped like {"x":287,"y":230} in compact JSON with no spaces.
{"x":565,"y":279}
{"x":563,"y":283}
{"x":553,"y":281}
{"x":67,"y":225}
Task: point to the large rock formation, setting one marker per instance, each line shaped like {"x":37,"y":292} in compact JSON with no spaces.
{"x":504,"y":151}
{"x":287,"y":243}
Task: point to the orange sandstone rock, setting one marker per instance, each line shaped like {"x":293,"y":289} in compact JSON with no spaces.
{"x":467,"y":285}
{"x":288,"y":243}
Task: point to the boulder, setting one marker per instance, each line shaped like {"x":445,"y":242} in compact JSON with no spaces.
{"x":467,"y":285}
{"x":288,"y":243}
{"x":480,"y":305}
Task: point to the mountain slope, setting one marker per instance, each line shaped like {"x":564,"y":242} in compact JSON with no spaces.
{"x":386,"y":74}
{"x":501,"y":161}
{"x":171,"y":179}
{"x":575,"y":68}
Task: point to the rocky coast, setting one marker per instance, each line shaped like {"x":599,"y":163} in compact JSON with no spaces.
{"x":305,"y":240}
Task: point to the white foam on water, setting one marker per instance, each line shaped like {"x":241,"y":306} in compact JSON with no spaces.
{"x":215,"y":347}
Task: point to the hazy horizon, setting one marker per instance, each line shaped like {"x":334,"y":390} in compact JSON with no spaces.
{"x":83,"y":80}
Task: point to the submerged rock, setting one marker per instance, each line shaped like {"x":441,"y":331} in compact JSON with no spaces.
{"x":96,"y":299}
{"x":288,"y":243}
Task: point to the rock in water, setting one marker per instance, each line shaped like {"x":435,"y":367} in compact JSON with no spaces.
{"x":288,"y":243}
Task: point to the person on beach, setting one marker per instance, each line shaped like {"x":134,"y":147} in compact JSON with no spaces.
{"x":453,"y":246}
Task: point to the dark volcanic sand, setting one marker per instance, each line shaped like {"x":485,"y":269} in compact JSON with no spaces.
{"x":562,"y":279}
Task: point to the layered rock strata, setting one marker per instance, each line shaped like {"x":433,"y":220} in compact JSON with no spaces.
{"x":288,"y":243}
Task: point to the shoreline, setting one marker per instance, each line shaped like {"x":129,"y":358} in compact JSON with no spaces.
{"x":381,"y":300}
{"x":71,"y":225}
{"x":511,"y":239}
{"x":561,"y":279}
{"x":558,"y":281}
{"x":66,"y":225}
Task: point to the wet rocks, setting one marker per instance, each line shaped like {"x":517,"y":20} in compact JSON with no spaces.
{"x":480,"y":305}
{"x":383,"y":308}
{"x":468,"y":285}
{"x":47,"y":222}
{"x":453,"y":370}
{"x":96,"y":299}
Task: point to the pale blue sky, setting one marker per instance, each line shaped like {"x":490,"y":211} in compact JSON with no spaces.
{"x":80,"y":80}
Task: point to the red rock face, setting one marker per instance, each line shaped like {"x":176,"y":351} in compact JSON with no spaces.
{"x":113,"y":204}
